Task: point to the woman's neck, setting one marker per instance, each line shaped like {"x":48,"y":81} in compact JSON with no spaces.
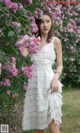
{"x":44,"y":37}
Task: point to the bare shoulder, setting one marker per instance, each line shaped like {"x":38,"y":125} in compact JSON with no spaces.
{"x":57,"y":45}
{"x":57,"y":42}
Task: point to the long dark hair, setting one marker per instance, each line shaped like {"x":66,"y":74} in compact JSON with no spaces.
{"x":51,"y":33}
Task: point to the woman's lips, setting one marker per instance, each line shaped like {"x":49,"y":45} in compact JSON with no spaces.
{"x":45,"y":29}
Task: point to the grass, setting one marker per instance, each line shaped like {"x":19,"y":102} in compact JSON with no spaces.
{"x":70,"y":109}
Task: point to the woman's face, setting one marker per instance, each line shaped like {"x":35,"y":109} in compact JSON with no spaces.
{"x":45,"y":24}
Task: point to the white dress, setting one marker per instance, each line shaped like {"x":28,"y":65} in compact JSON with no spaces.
{"x":41,"y":107}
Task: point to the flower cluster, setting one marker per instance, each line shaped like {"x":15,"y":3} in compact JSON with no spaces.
{"x":13,"y":95}
{"x":28,"y":71}
{"x":31,"y":43}
{"x":12,"y":5}
{"x":33,"y":26}
{"x":34,"y":45}
{"x":11,"y":67}
{"x":25,"y":86}
{"x":16,"y":26}
{"x":5,"y":82}
{"x":38,"y":13}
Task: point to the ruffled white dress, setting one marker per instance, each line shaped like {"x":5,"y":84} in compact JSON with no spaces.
{"x":41,"y":107}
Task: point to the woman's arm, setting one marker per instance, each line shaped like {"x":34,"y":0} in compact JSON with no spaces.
{"x":24,"y":52}
{"x":58,"y":50}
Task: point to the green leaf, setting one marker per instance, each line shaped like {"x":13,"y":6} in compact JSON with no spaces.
{"x":10,"y":33}
{"x":24,"y":10}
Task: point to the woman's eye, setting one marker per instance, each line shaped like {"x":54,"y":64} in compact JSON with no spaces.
{"x":47,"y":21}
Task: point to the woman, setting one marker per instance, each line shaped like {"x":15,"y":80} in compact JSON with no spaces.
{"x":43,"y":100}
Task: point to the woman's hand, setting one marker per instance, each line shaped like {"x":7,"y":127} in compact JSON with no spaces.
{"x":54,"y":85}
{"x":24,"y":52}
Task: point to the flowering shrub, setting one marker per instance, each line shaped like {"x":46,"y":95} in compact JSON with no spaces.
{"x":11,"y":67}
{"x":70,"y":37}
{"x":31,"y":43}
{"x":13,"y":84}
{"x":17,"y":22}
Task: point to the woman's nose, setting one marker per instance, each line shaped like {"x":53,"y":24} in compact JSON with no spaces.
{"x":45,"y":24}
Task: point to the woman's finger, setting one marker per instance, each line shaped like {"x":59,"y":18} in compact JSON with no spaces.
{"x":54,"y":89}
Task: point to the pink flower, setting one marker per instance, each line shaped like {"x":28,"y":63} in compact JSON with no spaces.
{"x":70,"y":30}
{"x":70,"y":25}
{"x":66,"y":39}
{"x":70,"y":14}
{"x":74,"y":44}
{"x":19,"y":43}
{"x":25,"y":38}
{"x":73,"y":0}
{"x":77,"y":41}
{"x":31,"y":67}
{"x":75,"y":13}
{"x":32,"y":19}
{"x":22,"y":43}
{"x":42,"y":3}
{"x":16,"y":24}
{"x":78,"y":31}
{"x":14,"y":6}
{"x":58,"y":12}
{"x":5,"y":82}
{"x":31,"y":43}
{"x":11,"y":67}
{"x":7,"y":3}
{"x":8,"y":92}
{"x":34,"y":45}
{"x":1,"y":0}
{"x":28,"y":71}
{"x":71,"y":47}
{"x":47,"y":8}
{"x":72,"y":21}
{"x":46,"y":1}
{"x":34,"y":27}
{"x":14,"y":95}
{"x":38,"y":13}
{"x":13,"y":59}
{"x":53,"y":15}
{"x":61,"y":30}
{"x":13,"y":72}
{"x":35,"y":40}
{"x":11,"y":5}
{"x":25,"y":86}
